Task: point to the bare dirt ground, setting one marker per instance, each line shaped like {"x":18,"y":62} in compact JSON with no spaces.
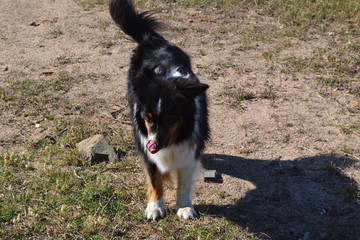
{"x":288,"y":155}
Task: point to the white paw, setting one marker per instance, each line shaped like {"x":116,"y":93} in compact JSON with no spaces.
{"x":186,"y":212}
{"x":155,"y":210}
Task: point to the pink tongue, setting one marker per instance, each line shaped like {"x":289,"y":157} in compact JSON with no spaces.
{"x":151,"y":146}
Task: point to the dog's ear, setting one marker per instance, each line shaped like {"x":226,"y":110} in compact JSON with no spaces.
{"x":190,"y":88}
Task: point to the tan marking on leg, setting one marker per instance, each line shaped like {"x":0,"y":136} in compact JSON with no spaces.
{"x":156,"y":192}
{"x":166,"y":177}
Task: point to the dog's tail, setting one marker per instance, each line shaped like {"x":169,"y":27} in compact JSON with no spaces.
{"x":136,"y":25}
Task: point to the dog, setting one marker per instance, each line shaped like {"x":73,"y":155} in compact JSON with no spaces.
{"x":168,"y":108}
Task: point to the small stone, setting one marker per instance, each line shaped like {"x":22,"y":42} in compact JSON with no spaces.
{"x":96,"y":150}
{"x":34,"y":24}
{"x":211,"y":176}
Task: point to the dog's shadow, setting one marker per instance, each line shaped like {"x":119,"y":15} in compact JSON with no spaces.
{"x":303,"y":197}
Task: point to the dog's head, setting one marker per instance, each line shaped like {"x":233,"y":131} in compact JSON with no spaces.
{"x":166,"y":107}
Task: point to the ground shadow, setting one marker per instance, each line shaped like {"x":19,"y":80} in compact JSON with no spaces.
{"x":303,"y":197}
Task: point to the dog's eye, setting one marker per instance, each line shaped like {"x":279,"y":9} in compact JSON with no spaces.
{"x":148,"y":117}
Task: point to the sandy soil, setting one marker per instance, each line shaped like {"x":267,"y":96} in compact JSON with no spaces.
{"x":288,"y":167}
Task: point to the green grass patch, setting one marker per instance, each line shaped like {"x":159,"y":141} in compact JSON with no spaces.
{"x":55,"y":201}
{"x":236,"y":96}
{"x":228,"y":64}
{"x":268,"y":93}
{"x":47,"y":191}
{"x":339,"y":71}
{"x":306,"y":13}
{"x":309,"y":13}
{"x":340,"y":83}
{"x":251,"y":37}
{"x":247,"y":151}
{"x":90,"y":4}
{"x":347,"y":150}
{"x":56,"y":33}
{"x":34,"y":97}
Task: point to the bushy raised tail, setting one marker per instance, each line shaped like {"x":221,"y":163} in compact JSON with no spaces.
{"x":136,"y":25}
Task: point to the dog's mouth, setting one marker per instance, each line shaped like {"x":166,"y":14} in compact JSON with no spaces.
{"x":152,"y":147}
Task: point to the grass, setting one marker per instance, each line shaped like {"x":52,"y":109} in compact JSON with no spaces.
{"x":54,"y":201}
{"x":337,"y":70}
{"x":56,"y":33}
{"x":247,"y":151}
{"x":347,"y":150}
{"x":310,"y":13}
{"x":236,"y":96}
{"x":268,"y":93}
{"x":63,"y":60}
{"x":36,"y":96}
{"x":90,"y":4}
{"x":48,"y":191}
{"x":304,"y":14}
{"x":352,"y":128}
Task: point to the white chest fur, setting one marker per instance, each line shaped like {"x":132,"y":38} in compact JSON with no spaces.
{"x":173,"y":157}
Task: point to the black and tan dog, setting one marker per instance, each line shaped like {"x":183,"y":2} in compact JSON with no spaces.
{"x":168,"y":109}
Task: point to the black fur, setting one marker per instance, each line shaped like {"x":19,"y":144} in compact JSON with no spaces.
{"x":149,"y":81}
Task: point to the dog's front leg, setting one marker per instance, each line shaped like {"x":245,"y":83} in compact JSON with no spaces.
{"x":156,"y":206}
{"x":185,"y":181}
